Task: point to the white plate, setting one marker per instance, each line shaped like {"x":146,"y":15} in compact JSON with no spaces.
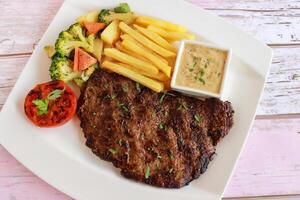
{"x":59,"y":156}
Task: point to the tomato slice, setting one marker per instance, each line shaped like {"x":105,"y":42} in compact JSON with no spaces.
{"x":60,"y":110}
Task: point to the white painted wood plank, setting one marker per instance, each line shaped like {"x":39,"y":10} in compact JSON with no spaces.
{"x":282,"y":91}
{"x":24,"y":22}
{"x":271,"y":21}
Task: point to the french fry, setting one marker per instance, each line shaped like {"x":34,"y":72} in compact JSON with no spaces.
{"x":128,"y":37}
{"x":124,"y":50}
{"x":160,"y":76}
{"x":160,"y":23}
{"x":156,"y":38}
{"x":125,"y":58}
{"x":119,"y":69}
{"x":171,"y":35}
{"x":171,"y":62}
{"x":143,"y":52}
{"x":145,"y":41}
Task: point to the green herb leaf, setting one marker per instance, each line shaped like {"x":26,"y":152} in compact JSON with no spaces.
{"x":147,"y":173}
{"x":113,"y":96}
{"x":112,"y":151}
{"x":125,"y":87}
{"x":42,"y":106}
{"x":55,"y":94}
{"x":182,"y":106}
{"x":162,"y":126}
{"x":202,"y":72}
{"x":123,"y":107}
{"x":193,"y":66}
{"x":120,"y":142}
{"x":170,"y":154}
{"x":202,"y":80}
{"x":198,"y":118}
{"x":138,"y":87}
{"x":164,"y":95}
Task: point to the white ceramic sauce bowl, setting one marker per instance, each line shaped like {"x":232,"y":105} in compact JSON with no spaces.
{"x":198,"y":92}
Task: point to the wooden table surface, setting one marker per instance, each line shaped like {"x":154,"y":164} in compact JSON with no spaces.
{"x":269,"y":167}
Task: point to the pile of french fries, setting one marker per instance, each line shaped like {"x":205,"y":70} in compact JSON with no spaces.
{"x":144,"y":51}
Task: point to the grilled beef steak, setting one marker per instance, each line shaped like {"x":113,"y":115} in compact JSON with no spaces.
{"x":162,"y":139}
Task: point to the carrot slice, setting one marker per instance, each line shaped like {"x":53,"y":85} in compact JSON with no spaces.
{"x":85,"y":60}
{"x":75,"y":65}
{"x":93,"y":27}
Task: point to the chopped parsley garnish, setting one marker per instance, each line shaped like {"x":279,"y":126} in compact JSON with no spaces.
{"x":120,"y":142}
{"x":138,"y":87}
{"x":162,"y":126}
{"x":182,"y":106}
{"x":125,"y":87}
{"x":55,"y":94}
{"x":112,"y":151}
{"x":106,"y":85}
{"x":113,"y":96}
{"x":170,"y":154}
{"x":147,"y":173}
{"x":42,"y":104}
{"x":193,"y":67}
{"x":164,"y":95}
{"x":202,"y":72}
{"x":197,"y":117}
{"x":123,"y":107}
{"x":202,"y":80}
{"x":206,"y":65}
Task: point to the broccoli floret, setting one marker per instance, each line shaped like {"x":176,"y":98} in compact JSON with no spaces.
{"x":61,"y":69}
{"x":77,"y":32}
{"x":102,"y":14}
{"x":90,"y":41}
{"x":122,"y":8}
{"x":85,"y":75}
{"x":68,"y":40}
{"x":107,"y":16}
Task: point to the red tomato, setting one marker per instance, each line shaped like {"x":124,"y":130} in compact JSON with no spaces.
{"x":59,"y":110}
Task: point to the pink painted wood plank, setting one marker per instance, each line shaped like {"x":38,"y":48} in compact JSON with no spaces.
{"x":285,"y":197}
{"x":16,"y":182}
{"x":24,"y":22}
{"x":270,"y":162}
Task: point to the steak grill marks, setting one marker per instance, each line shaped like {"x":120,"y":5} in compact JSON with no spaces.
{"x":162,"y":139}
